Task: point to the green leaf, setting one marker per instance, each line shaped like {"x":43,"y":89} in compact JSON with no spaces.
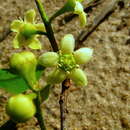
{"x":45,"y":92}
{"x":13,"y":82}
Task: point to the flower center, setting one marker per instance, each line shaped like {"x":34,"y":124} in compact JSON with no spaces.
{"x":28,"y":30}
{"x":67,"y":62}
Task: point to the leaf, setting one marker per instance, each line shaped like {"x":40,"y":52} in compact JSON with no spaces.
{"x":45,"y":92}
{"x":13,"y":82}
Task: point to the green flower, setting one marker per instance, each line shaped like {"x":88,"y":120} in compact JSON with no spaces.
{"x":25,"y":63}
{"x":66,"y":62}
{"x":78,"y":9}
{"x":27,"y":31}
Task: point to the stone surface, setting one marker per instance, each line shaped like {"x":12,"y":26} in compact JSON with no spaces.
{"x":105,"y":103}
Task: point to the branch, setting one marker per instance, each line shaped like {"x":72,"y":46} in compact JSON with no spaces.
{"x":97,"y":21}
{"x":39,"y":112}
{"x":49,"y":30}
{"x":65,"y":86}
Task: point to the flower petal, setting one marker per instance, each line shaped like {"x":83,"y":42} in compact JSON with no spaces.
{"x":49,"y":59}
{"x":19,"y":40}
{"x":56,"y":77}
{"x":83,"y":55}
{"x":34,"y":43}
{"x":78,"y":8}
{"x":79,"y":77}
{"x":67,"y":44}
{"x":30,"y":16}
{"x":16,"y":25}
{"x":83,"y":19}
{"x":16,"y":43}
{"x":40,"y":27}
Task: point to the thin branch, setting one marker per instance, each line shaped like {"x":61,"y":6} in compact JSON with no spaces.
{"x":39,"y":115}
{"x":47,"y":24}
{"x":65,"y":85}
{"x":97,"y":21}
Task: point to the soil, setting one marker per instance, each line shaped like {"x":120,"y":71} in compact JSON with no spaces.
{"x":105,"y":103}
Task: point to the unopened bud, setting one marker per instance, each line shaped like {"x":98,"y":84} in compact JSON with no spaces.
{"x":48,"y":59}
{"x":79,"y":77}
{"x":67,"y":44}
{"x":83,"y":55}
{"x":25,"y":62}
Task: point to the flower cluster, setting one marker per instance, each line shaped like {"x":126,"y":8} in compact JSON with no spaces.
{"x":27,"y":31}
{"x":66,"y":62}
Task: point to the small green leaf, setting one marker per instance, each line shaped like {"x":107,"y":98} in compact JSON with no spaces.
{"x":45,"y":92}
{"x":13,"y":82}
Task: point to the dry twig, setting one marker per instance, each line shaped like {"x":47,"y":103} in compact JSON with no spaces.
{"x":97,"y":21}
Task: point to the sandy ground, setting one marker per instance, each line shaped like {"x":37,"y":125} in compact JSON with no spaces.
{"x":105,"y":103}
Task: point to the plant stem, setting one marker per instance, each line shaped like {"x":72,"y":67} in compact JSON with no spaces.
{"x":66,"y":8}
{"x":65,"y":86}
{"x":39,"y":112}
{"x":49,"y":30}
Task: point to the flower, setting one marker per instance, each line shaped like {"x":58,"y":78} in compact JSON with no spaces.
{"x":77,"y":8}
{"x":25,"y":63}
{"x":20,"y":108}
{"x":66,"y":62}
{"x":27,"y":31}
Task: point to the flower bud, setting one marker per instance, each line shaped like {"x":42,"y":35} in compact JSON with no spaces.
{"x":48,"y":59}
{"x":67,"y":44}
{"x":79,"y":77}
{"x":25,"y":62}
{"x":56,"y":77}
{"x":20,"y":108}
{"x":83,"y":55}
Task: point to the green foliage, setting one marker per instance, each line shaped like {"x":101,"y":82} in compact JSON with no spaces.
{"x":14,"y":83}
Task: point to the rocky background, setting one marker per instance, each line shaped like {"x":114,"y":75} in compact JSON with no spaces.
{"x":105,"y":103}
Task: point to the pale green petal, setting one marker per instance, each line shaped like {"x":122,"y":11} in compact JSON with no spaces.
{"x":79,"y":77}
{"x":40,"y":27}
{"x":30,"y":16}
{"x":83,"y":55}
{"x":56,"y":77}
{"x":49,"y":59}
{"x":78,"y":8}
{"x":16,"y":43}
{"x":16,"y":25}
{"x":67,"y":44}
{"x":34,"y":44}
{"x":83,"y":19}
